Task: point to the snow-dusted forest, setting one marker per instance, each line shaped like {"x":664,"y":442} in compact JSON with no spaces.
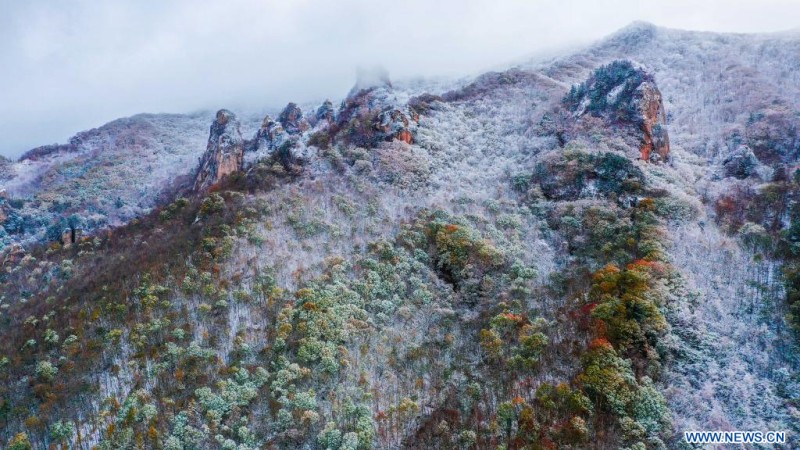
{"x":597,"y":250}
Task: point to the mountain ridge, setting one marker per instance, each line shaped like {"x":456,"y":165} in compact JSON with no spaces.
{"x":499,"y":265}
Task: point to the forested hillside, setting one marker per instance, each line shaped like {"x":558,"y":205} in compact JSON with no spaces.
{"x":596,"y":251}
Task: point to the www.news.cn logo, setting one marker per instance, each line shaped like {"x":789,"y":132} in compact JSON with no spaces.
{"x":735,"y":437}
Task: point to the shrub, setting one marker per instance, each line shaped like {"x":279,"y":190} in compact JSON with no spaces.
{"x":46,"y":370}
{"x":513,"y":340}
{"x":330,"y":437}
{"x":62,"y":431}
{"x":467,"y":438}
{"x":71,"y":339}
{"x":212,"y":204}
{"x":20,"y":442}
{"x":601,"y":83}
{"x":232,"y":393}
{"x":607,"y":378}
{"x":460,"y":250}
{"x":320,"y":139}
{"x":51,"y":337}
{"x":650,"y":409}
{"x":625,"y":304}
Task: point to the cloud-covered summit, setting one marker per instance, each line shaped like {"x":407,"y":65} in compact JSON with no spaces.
{"x":73,"y":66}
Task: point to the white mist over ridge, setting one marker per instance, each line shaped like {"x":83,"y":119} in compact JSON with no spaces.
{"x":73,"y":67}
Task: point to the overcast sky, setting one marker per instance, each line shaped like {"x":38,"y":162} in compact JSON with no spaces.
{"x":70,"y":65}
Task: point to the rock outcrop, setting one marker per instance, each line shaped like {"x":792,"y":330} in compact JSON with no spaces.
{"x":394,"y":124}
{"x":325,"y":113}
{"x":373,"y":115}
{"x":623,"y":95}
{"x":270,"y":136}
{"x":224,"y":152}
{"x":273,"y":140}
{"x":655,"y":145}
{"x":292,"y":120}
{"x":370,"y":115}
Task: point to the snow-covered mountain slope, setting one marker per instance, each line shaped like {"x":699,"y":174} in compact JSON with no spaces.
{"x":716,"y":86}
{"x":579,"y":253}
{"x":107,"y":176}
{"x":722,"y":92}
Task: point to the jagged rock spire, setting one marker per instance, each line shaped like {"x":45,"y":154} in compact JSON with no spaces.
{"x":655,"y":142}
{"x":224,"y":152}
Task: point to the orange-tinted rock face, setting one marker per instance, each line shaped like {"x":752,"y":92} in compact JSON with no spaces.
{"x":621,"y":95}
{"x":228,"y":163}
{"x":394,"y":124}
{"x":405,"y":136}
{"x":655,"y":142}
{"x":224,"y":152}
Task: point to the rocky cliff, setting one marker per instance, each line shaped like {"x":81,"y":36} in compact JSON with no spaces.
{"x":655,"y":142}
{"x":224,"y":152}
{"x":623,"y":95}
{"x":292,"y":120}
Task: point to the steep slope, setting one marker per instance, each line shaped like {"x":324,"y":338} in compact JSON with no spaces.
{"x":503,"y":265}
{"x":726,"y":96}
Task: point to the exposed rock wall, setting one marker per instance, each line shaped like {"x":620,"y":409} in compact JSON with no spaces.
{"x":655,"y":141}
{"x":624,"y":96}
{"x":224,"y":152}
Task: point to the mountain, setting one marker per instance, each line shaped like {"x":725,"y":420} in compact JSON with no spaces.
{"x":106,"y":176}
{"x":594,"y":251}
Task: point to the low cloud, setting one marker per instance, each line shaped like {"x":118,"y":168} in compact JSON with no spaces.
{"x":69,"y":66}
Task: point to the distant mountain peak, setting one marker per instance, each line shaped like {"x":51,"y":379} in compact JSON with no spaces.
{"x":638,"y":26}
{"x":635,"y":33}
